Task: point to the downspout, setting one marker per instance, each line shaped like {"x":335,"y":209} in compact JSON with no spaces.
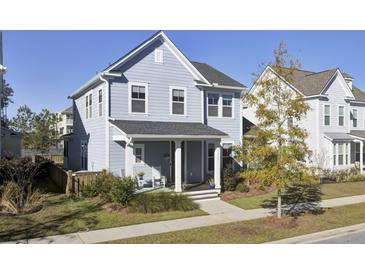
{"x":107,"y":133}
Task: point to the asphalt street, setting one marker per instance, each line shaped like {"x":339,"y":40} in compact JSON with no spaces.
{"x":356,"y":237}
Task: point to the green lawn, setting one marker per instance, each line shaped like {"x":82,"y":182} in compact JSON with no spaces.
{"x":260,"y":230}
{"x":329,"y":191}
{"x":63,"y":215}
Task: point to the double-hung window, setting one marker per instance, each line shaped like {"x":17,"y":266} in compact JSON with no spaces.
{"x":334,"y":154}
{"x":354,"y":117}
{"x":88,"y":108}
{"x":139,"y":153}
{"x":341,"y":115}
{"x":100,"y":95}
{"x":178,"y":101}
{"x":211,"y":149}
{"x":138,"y":98}
{"x":347,"y":153}
{"x":213,"y":105}
{"x":327,"y":115}
{"x":340,"y":153}
{"x":227,"y":155}
{"x":227,"y":106}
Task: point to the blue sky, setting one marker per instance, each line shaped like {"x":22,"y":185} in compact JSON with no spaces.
{"x":44,"y":67}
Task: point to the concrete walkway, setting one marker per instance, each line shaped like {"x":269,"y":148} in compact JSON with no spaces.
{"x":219,"y":213}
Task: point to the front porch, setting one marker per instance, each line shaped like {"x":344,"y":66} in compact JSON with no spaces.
{"x":170,"y":156}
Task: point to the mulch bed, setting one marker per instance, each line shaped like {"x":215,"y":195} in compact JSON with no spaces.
{"x":231,"y":195}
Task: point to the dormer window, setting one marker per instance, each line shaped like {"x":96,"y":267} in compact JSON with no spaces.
{"x":159,"y":56}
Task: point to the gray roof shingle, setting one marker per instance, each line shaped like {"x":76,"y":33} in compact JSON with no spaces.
{"x":68,"y":110}
{"x":312,"y":83}
{"x":215,"y":76}
{"x":339,"y":136}
{"x":358,"y":133}
{"x":165,"y":128}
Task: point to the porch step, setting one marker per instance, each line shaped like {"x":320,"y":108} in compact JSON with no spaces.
{"x":212,"y":194}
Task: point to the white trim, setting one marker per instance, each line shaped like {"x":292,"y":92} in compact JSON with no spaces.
{"x":88,"y":107}
{"x":202,"y":105}
{"x":141,"y":84}
{"x":214,"y":85}
{"x":185,"y":161}
{"x":100,"y":103}
{"x":219,"y":103}
{"x":158,"y":52}
{"x":338,"y":115}
{"x":141,"y":146}
{"x":232,"y":105}
{"x":107,"y":124}
{"x":324,"y":115}
{"x":171,"y":88}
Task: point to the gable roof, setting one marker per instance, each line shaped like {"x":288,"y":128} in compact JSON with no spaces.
{"x":199,"y":71}
{"x":312,"y":83}
{"x":68,"y":110}
{"x":215,"y":76}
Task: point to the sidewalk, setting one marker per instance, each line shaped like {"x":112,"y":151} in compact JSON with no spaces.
{"x":220,"y":213}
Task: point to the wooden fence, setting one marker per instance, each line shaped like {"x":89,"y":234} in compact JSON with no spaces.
{"x":70,"y":182}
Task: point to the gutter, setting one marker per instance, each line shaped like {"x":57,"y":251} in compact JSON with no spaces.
{"x":222,"y":86}
{"x":106,"y":115}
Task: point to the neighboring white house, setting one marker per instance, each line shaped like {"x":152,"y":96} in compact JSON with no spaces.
{"x":155,"y":111}
{"x":65,"y":123}
{"x":336,"y":120}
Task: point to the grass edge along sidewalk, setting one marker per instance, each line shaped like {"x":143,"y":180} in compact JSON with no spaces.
{"x":260,"y":230}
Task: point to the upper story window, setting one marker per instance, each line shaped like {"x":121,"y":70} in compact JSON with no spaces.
{"x":327,"y":115}
{"x":89,"y":103}
{"x":354,"y":117}
{"x":341,"y":115}
{"x":178,"y":100}
{"x":138,"y":95}
{"x":213,"y":100}
{"x":227,"y":105}
{"x":100,"y":95}
{"x":158,"y":56}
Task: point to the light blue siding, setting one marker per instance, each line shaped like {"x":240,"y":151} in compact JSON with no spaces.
{"x":159,"y":78}
{"x":91,"y":130}
{"x":194,"y":161}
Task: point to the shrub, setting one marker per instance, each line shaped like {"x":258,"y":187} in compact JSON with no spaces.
{"x":122,"y":191}
{"x":229,"y":180}
{"x":162,"y":202}
{"x":347,"y":175}
{"x":14,"y":201}
{"x":241,"y":187}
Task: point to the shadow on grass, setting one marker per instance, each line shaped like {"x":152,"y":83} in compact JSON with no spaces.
{"x":60,"y":223}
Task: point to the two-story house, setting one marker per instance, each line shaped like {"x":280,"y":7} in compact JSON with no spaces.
{"x":154,"y":110}
{"x":336,"y":120}
{"x":65,"y":123}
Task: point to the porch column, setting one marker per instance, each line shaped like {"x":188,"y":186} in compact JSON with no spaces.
{"x":217,"y":165}
{"x":178,"y":187}
{"x":129,"y":159}
{"x":361,"y":156}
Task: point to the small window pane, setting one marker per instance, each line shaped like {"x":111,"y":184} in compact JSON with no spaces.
{"x":213,"y":111}
{"x":227,"y":111}
{"x":177,"y":108}
{"x":327,"y":120}
{"x":227,"y":100}
{"x":100,"y":96}
{"x":210,"y":164}
{"x":327,"y":110}
{"x":138,"y":106}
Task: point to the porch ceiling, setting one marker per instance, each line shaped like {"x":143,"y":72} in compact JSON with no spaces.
{"x":155,"y":129}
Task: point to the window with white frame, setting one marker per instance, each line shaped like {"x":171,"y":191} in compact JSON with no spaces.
{"x":327,"y":115}
{"x":340,"y":153}
{"x":213,"y":104}
{"x":341,"y":115}
{"x":100,"y":95}
{"x":138,"y":98}
{"x":347,"y":153}
{"x":211,"y":149}
{"x":354,"y":117}
{"x":334,"y":154}
{"x":178,"y":101}
{"x":227,"y":155}
{"x":138,"y":154}
{"x":357,"y":152}
{"x":88,"y":108}
{"x":158,"y":56}
{"x":227,"y":105}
